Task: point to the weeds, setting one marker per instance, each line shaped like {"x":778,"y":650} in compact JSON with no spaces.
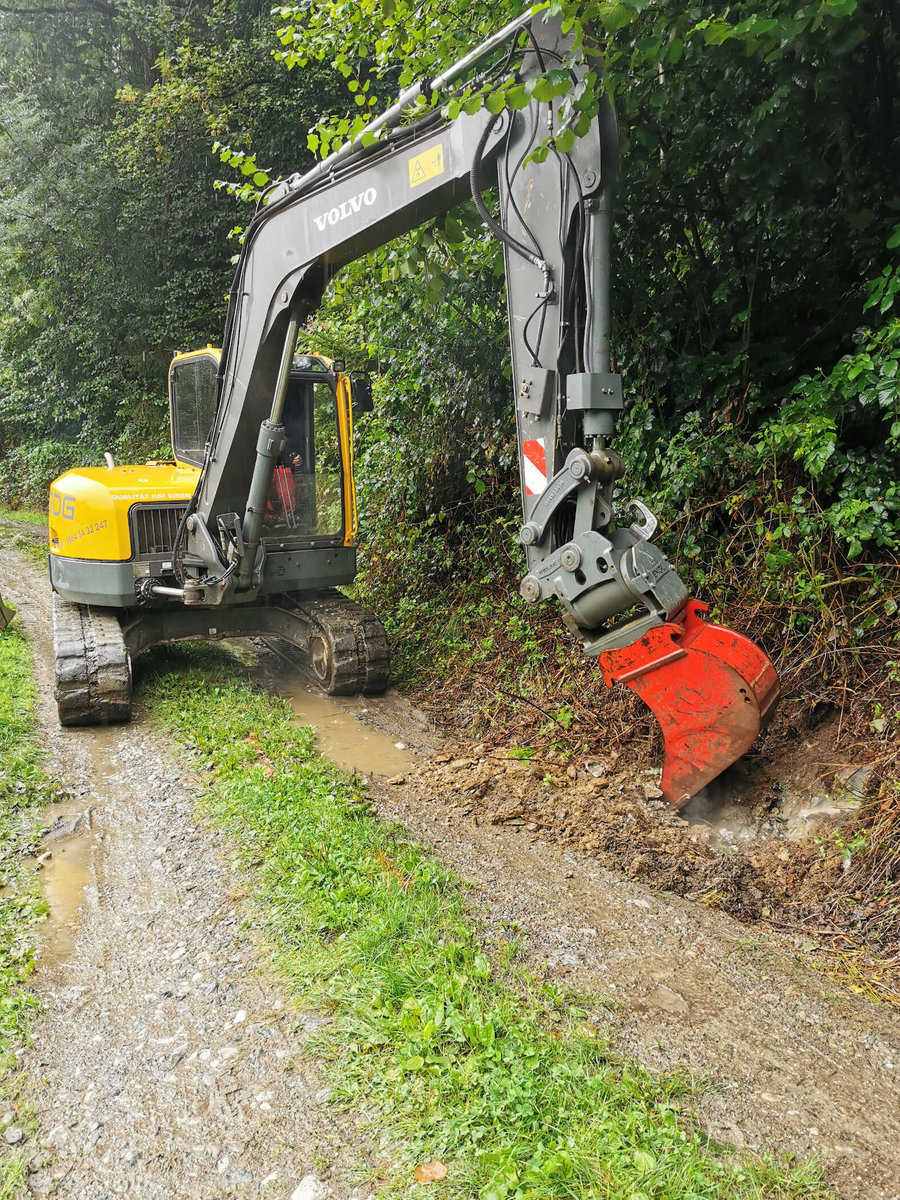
{"x":440,"y":1040}
{"x":13,"y":1174}
{"x":23,"y":788}
{"x":23,"y":516}
{"x":27,"y":540}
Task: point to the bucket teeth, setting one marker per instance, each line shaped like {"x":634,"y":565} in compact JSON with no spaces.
{"x":710,"y":688}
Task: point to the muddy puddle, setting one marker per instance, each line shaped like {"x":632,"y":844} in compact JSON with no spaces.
{"x":342,"y":738}
{"x":70,"y":857}
{"x":64,"y":878}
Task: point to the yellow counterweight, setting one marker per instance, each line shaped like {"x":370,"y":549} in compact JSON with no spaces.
{"x":89,"y":506}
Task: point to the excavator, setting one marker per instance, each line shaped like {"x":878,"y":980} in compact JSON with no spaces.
{"x":251,"y":528}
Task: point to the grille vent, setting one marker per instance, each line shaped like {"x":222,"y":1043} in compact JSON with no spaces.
{"x":153,"y":528}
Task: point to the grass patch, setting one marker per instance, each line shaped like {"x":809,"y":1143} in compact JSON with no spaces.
{"x":13,"y":1174}
{"x":448,"y":1045}
{"x":12,"y":526}
{"x":23,"y":516}
{"x":24,"y":789}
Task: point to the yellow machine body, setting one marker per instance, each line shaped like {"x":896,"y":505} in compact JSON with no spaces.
{"x":90,"y":506}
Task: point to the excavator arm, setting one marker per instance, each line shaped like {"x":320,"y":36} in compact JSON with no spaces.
{"x":619,"y":594}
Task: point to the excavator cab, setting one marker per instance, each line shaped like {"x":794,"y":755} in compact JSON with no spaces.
{"x":192,"y":403}
{"x":312,"y":498}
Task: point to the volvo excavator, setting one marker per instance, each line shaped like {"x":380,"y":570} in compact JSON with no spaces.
{"x":250,"y":529}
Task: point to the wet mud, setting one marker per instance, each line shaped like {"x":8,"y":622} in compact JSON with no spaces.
{"x":343,"y":737}
{"x":70,"y":860}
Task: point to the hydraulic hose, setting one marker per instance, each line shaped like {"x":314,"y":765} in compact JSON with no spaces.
{"x":496,"y":229}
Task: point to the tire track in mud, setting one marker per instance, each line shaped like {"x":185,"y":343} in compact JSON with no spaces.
{"x":163,"y":1032}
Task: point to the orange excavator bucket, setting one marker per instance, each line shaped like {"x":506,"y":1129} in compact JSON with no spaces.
{"x":710,"y":689}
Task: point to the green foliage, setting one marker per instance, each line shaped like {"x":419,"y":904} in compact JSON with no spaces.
{"x":114,"y":238}
{"x":844,"y":428}
{"x":455,"y":1053}
{"x":23,"y":788}
{"x":718,"y":287}
{"x":27,"y":470}
{"x":756,"y":202}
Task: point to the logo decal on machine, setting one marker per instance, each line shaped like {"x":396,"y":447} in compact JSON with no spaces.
{"x":346,"y":208}
{"x":534,"y":466}
{"x":426,"y":165}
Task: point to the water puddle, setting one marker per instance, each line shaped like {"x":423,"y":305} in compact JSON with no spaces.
{"x":342,"y":738}
{"x":64,"y":878}
{"x":69,"y":857}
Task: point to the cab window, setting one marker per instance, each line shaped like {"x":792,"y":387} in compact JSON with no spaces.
{"x":192,"y":400}
{"x":307,"y":489}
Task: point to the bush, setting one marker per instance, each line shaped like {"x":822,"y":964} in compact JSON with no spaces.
{"x":26,"y":471}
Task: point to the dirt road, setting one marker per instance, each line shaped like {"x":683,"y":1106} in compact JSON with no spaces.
{"x":169,"y":1063}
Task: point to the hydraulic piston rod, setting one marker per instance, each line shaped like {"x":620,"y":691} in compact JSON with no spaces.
{"x":268,"y":447}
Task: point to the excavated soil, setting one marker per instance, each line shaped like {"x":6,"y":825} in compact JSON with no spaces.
{"x":169,"y":1063}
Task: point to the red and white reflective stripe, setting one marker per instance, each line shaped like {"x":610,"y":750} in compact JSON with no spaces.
{"x":534,"y":466}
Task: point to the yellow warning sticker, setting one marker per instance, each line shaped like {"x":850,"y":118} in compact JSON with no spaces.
{"x":426,"y":165}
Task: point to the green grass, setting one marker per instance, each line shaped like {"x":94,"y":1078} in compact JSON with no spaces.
{"x":24,"y":788}
{"x":13,"y":1174}
{"x":442,"y":1041}
{"x":11,"y":522}
{"x":23,"y":516}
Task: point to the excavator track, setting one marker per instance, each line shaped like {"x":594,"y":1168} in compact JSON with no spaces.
{"x":348,"y":647}
{"x":93,"y":667}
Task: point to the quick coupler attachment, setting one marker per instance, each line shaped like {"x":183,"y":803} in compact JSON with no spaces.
{"x":711,"y":690}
